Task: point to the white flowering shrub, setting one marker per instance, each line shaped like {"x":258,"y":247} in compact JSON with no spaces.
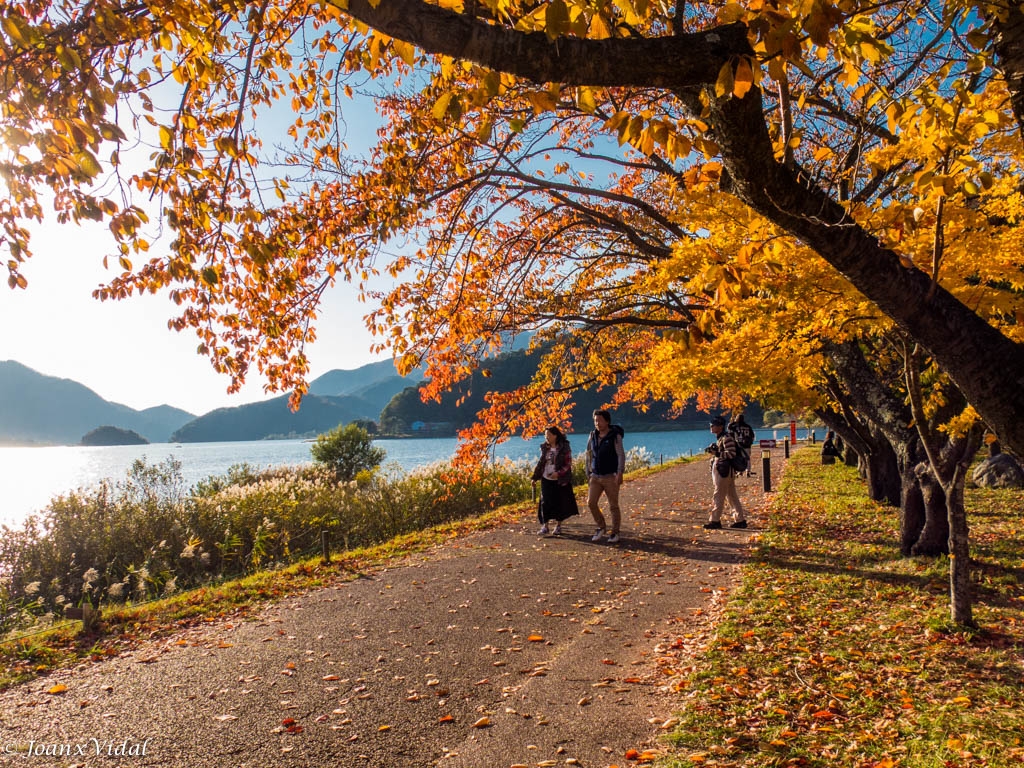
{"x":149,"y":536}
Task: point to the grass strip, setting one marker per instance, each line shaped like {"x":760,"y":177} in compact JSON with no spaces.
{"x":835,"y":651}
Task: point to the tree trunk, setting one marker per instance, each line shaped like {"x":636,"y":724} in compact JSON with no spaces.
{"x":912,"y":513}
{"x":850,"y":457}
{"x":1009,"y":47}
{"x":884,"y":481}
{"x":933,"y":540}
{"x":959,"y":555}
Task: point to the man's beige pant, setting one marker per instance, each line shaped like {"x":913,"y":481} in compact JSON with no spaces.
{"x":725,"y":488}
{"x":609,"y":485}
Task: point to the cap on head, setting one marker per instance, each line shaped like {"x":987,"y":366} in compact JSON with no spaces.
{"x":718,"y":421}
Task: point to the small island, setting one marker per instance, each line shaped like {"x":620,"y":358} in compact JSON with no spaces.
{"x":113,"y":436}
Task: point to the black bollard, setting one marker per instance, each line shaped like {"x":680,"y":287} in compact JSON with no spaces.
{"x":325,"y":545}
{"x":766,"y":469}
{"x":785,"y":444}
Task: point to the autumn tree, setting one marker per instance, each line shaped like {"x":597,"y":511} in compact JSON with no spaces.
{"x":836,"y":123}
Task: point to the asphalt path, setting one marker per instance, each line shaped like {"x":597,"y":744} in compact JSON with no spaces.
{"x":497,"y":649}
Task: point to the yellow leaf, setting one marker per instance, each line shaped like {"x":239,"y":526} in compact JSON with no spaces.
{"x":406,"y":51}
{"x":585,"y":100}
{"x":724,"y":83}
{"x":57,"y":689}
{"x":441,"y":106}
{"x":556,"y":19}
{"x":88,"y":164}
{"x":731,"y":12}
{"x":744,"y":79}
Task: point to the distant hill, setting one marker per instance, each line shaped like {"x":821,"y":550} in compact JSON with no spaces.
{"x":407,"y":414}
{"x":346,"y":382}
{"x":35,"y":408}
{"x":375,"y":384}
{"x":271,"y":418}
{"x":338,"y":397}
{"x":113,"y":436}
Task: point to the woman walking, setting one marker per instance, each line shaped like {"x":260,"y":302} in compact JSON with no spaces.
{"x":554,"y":470}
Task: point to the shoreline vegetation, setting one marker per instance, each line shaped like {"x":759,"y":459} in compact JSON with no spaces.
{"x":834,"y":651}
{"x":150,"y":536}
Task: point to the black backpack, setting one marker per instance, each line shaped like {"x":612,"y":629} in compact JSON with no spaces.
{"x":740,"y":462}
{"x":743,"y":434}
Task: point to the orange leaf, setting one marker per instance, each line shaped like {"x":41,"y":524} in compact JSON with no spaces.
{"x":57,"y":689}
{"x":536,"y":638}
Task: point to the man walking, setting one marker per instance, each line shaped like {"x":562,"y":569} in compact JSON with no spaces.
{"x":606,"y":463}
{"x":724,"y":477}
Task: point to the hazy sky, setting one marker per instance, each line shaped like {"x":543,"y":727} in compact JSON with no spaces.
{"x":123,"y":350}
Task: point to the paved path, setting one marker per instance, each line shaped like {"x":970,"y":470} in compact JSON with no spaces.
{"x":501,"y":648}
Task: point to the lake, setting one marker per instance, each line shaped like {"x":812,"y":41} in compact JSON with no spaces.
{"x":30,"y":477}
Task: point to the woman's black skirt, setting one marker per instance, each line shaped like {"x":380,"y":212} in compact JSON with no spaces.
{"x":557,"y":502}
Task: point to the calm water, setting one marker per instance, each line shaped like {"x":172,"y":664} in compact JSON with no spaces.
{"x":30,"y":477}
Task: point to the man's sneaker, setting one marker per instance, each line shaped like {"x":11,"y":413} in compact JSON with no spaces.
{"x":739,"y":524}
{"x":613,"y":539}
{"x":557,"y":531}
{"x":598,"y":536}
{"x":543,"y":530}
{"x":714,"y":525}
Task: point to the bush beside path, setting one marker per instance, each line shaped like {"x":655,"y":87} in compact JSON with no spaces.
{"x":498,"y":648}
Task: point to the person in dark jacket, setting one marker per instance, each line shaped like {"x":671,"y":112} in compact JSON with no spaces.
{"x":606,"y":464}
{"x":829,"y":449}
{"x":554,"y":471}
{"x":723,"y":477}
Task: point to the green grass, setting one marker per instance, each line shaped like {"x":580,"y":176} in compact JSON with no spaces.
{"x":837,"y":652}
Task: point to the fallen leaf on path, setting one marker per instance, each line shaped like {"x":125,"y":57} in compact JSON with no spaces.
{"x":225,"y":718}
{"x":483,"y":722}
{"x":57,"y":689}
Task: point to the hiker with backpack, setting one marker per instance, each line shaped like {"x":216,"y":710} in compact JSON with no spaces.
{"x":744,"y":435}
{"x":723,"y":474}
{"x":606,"y":464}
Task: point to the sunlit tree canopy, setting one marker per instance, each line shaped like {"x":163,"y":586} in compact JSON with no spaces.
{"x":673,"y":198}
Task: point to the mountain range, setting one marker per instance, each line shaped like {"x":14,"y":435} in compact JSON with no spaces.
{"x":35,"y":408}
